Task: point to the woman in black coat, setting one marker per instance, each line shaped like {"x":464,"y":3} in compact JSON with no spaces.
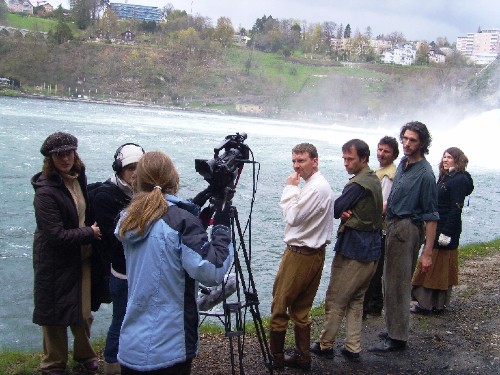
{"x":61,"y":255}
{"x":432,"y":289}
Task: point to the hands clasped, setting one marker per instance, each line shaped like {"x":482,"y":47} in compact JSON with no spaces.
{"x":97,"y":231}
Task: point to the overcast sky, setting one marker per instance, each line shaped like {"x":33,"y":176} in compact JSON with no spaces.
{"x":416,"y":19}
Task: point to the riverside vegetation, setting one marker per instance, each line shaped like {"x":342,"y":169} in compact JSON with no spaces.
{"x":188,"y":65}
{"x":464,"y":340}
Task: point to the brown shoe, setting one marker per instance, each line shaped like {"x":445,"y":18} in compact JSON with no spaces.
{"x":301,"y":357}
{"x":91,"y":365}
{"x":276,"y":345}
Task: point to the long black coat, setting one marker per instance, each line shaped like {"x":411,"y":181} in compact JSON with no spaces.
{"x":57,"y":252}
{"x":452,"y":190}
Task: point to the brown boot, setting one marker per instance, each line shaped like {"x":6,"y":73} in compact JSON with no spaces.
{"x":276,"y":345}
{"x":301,"y":357}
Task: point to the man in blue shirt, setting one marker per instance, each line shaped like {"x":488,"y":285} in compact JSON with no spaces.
{"x":411,"y":221}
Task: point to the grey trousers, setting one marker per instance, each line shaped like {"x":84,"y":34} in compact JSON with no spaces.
{"x":402,"y":246}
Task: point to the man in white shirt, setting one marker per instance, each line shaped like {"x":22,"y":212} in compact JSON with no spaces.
{"x":308,"y":214}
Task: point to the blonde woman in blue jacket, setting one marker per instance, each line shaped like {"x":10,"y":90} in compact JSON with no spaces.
{"x":167,"y":253}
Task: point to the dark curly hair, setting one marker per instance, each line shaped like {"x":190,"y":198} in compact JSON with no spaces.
{"x":421,"y":129}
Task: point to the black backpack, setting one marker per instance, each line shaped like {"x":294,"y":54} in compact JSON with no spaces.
{"x":100,"y":262}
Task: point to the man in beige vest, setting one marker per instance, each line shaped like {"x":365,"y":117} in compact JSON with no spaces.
{"x":387,"y":152}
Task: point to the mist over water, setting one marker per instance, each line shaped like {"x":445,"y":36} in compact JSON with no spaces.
{"x":100,"y":129}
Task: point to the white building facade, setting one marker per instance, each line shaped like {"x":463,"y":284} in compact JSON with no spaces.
{"x":482,"y":47}
{"x":402,"y":54}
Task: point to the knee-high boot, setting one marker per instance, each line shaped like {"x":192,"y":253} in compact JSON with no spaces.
{"x":276,"y":345}
{"x":301,"y":356}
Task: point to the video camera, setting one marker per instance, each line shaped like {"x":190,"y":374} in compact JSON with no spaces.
{"x":221,"y":171}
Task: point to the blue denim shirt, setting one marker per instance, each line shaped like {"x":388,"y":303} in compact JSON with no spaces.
{"x":414,"y":193}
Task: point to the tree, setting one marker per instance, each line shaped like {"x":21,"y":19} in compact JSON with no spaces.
{"x":109,"y":22}
{"x":224,"y":31}
{"x":3,"y":10}
{"x":368,"y":32}
{"x":82,"y":13}
{"x":395,"y":37}
{"x":340,"y":31}
{"x":328,"y":34}
{"x":422,"y":54}
{"x":442,"y":41}
{"x":347,"y":31}
{"x":147,"y":26}
{"x":62,"y":33}
{"x":360,"y":46}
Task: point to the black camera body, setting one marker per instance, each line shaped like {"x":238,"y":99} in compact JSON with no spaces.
{"x":221,"y":171}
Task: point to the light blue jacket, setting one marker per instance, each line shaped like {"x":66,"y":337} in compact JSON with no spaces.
{"x":164,"y":266}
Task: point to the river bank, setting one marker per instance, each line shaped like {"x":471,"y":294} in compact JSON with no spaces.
{"x":463,"y":340}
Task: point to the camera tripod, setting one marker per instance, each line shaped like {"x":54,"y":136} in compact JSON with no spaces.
{"x":232,"y":316}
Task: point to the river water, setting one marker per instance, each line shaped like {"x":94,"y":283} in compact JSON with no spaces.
{"x":185,"y":136}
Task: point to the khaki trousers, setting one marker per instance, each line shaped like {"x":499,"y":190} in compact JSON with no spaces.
{"x":402,"y":245}
{"x":349,"y":280}
{"x":295,"y":287}
{"x":55,"y":338}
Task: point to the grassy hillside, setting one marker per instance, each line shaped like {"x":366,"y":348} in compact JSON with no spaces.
{"x":169,"y":69}
{"x":33,"y":23}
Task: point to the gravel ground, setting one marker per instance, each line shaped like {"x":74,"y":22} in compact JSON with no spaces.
{"x":463,"y":340}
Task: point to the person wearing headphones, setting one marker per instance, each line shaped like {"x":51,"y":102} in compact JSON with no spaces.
{"x":109,"y":200}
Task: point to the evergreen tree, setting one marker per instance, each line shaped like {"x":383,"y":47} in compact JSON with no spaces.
{"x":347,"y":31}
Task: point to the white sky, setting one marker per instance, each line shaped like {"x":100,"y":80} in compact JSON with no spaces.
{"x":416,"y":19}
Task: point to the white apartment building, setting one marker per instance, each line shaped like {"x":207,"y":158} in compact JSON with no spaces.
{"x":482,"y":47}
{"x":402,"y":54}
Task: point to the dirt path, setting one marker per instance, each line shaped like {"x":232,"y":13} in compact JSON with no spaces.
{"x":463,"y":340}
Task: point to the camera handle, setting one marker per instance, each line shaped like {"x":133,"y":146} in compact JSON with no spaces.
{"x":233,"y":310}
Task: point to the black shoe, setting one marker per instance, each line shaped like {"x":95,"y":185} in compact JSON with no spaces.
{"x":372,"y":314}
{"x":351,"y":356}
{"x":388,"y":345}
{"x":417,"y":309}
{"x":383,"y":335}
{"x":316,"y":349}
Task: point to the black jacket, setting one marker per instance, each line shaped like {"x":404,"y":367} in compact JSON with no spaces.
{"x":107,"y":203}
{"x":57,"y":252}
{"x":452,"y":190}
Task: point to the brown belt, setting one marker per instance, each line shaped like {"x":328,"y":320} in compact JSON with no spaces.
{"x":305,"y":250}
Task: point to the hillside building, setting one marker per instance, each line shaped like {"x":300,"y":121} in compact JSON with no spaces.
{"x":436,"y":56}
{"x":482,"y":47}
{"x":402,"y":54}
{"x":136,"y":12}
{"x":20,"y":6}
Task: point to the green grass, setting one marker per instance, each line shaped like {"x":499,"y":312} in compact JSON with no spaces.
{"x":34,"y":23}
{"x":30,"y":22}
{"x":19,"y":363}
{"x":478,"y":250}
{"x":275,"y":67}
